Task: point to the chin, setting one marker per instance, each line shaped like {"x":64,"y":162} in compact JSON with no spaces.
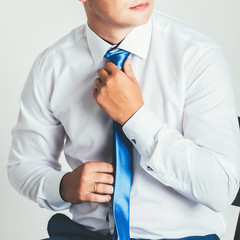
{"x":140,"y":18}
{"x":140,"y":21}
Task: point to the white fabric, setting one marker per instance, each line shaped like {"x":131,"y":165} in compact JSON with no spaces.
{"x":186,"y":137}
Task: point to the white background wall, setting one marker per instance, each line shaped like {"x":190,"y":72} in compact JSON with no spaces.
{"x":29,"y":26}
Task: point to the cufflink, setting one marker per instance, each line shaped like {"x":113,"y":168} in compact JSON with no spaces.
{"x":149,"y":169}
{"x":133,"y":141}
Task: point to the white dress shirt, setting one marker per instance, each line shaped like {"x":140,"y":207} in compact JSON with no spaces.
{"x":186,"y":136}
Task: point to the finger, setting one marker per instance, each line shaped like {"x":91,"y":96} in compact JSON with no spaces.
{"x":98,"y":198}
{"x":104,"y":178}
{"x":103,"y":74}
{"x":96,"y":90}
{"x":94,"y":93}
{"x":103,"y":188}
{"x":95,"y":187}
{"x":111,"y":68}
{"x":102,"y":167}
{"x":127,"y":68}
{"x":97,"y":83}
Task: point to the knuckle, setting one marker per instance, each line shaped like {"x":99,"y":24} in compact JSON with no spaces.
{"x":96,"y":82}
{"x":87,"y":165}
{"x":86,"y":168}
{"x":99,"y":188}
{"x":115,"y":75}
{"x":108,"y":64}
{"x":108,"y":82}
{"x":84,"y":177}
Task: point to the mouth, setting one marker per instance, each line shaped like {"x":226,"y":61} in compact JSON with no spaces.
{"x":141,"y":6}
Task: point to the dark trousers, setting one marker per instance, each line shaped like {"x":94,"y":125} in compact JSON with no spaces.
{"x":60,"y":227}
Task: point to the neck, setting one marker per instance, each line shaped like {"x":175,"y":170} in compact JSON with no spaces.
{"x":111,"y":35}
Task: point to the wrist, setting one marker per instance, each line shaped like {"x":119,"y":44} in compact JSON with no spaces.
{"x":130,"y":114}
{"x":63,"y":187}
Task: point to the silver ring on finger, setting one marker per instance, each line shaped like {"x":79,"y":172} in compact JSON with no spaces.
{"x":95,"y":187}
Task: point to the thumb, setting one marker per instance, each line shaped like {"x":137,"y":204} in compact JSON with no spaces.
{"x":127,"y":68}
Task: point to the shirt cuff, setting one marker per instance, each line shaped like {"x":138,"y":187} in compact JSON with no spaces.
{"x":142,"y":128}
{"x":51,"y":189}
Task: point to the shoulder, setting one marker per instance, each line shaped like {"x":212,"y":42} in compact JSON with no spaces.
{"x":62,"y":46}
{"x":179,"y":31}
{"x":184,"y":43}
{"x":186,"y":47}
{"x":50,"y":63}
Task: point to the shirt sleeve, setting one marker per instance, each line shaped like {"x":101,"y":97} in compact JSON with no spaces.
{"x":38,"y":138}
{"x":201,"y":162}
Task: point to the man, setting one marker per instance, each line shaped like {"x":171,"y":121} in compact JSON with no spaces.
{"x":175,"y":103}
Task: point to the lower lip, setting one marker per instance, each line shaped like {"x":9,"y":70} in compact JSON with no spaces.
{"x":140,"y":7}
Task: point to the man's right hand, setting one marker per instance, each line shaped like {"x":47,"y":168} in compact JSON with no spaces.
{"x":90,"y":182}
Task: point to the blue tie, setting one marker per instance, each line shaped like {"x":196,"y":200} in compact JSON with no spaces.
{"x":122,"y":159}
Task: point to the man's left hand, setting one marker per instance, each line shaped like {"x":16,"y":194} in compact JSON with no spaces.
{"x":118,"y":93}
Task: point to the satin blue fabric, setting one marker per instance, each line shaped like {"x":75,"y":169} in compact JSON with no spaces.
{"x":117,"y":57}
{"x":122,"y":159}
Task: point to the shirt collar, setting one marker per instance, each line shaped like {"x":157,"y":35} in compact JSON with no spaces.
{"x":137,"y":42}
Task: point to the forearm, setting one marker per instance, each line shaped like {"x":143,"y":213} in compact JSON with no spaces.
{"x":207,"y":174}
{"x":38,"y":139}
{"x":38,"y":183}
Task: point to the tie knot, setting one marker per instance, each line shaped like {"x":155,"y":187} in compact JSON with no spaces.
{"x":117,"y":56}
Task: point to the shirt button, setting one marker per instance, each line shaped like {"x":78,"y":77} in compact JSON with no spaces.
{"x":133,"y":141}
{"x":149,"y":169}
